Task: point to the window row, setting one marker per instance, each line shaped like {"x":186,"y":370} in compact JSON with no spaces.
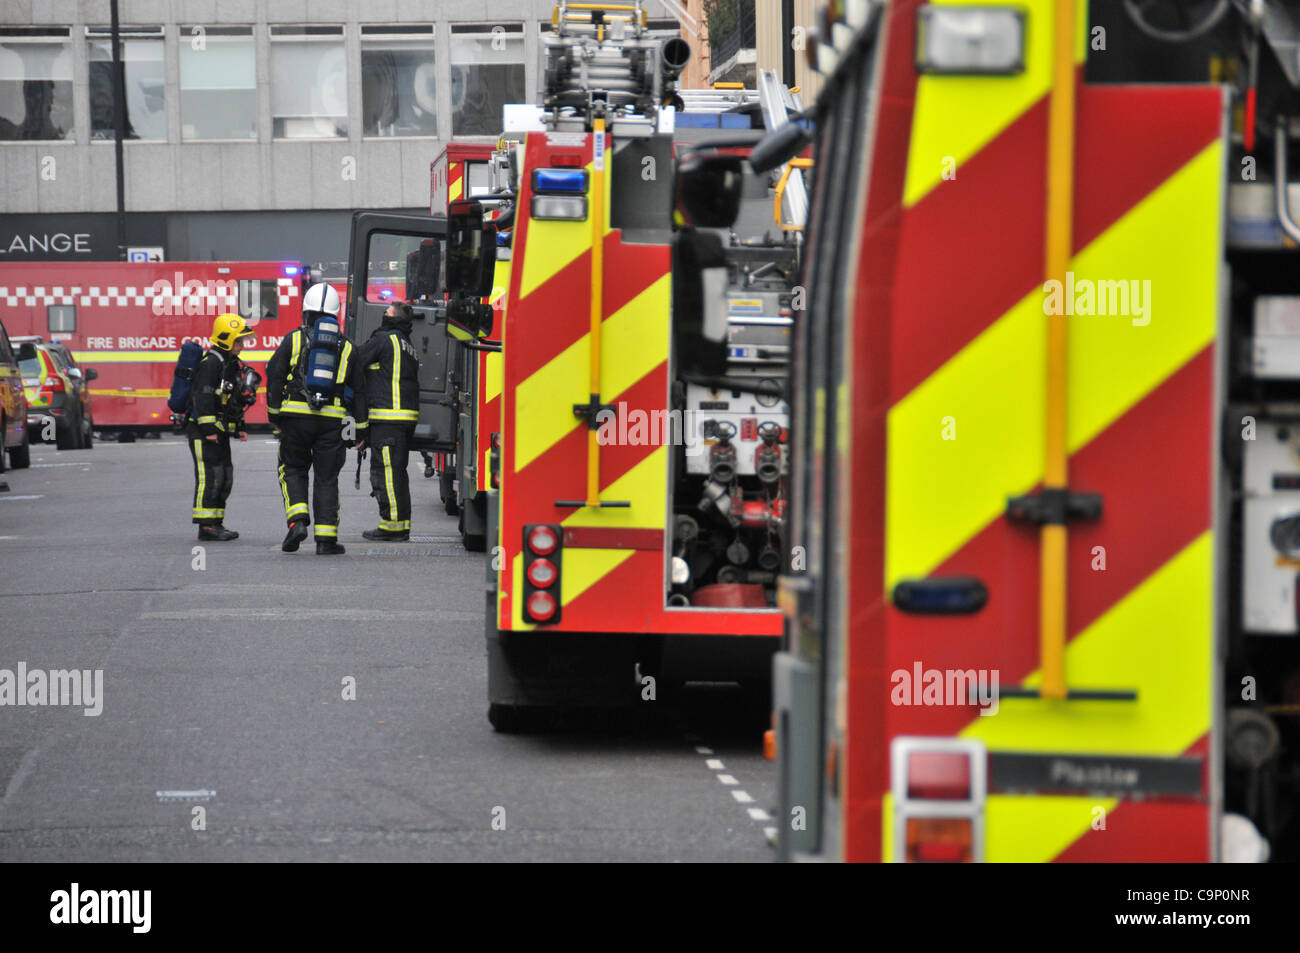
{"x":308,"y":74}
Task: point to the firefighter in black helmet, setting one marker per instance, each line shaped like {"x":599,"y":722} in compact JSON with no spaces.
{"x":316,"y":423}
{"x":215,"y":415}
{"x":391,"y":370}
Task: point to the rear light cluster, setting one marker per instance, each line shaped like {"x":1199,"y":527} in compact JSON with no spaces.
{"x":49,"y":387}
{"x":494,"y":460}
{"x":939,"y":786}
{"x":543,"y":546}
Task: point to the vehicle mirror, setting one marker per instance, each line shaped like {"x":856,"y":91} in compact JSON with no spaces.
{"x":488,"y":261}
{"x":708,"y":189}
{"x":74,"y":373}
{"x":464,"y":245}
{"x":26,"y":351}
{"x":699,"y":303}
{"x":91,"y":374}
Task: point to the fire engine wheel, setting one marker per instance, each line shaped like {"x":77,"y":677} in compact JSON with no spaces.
{"x":447,"y":490}
{"x":90,"y":436}
{"x":513,"y":719}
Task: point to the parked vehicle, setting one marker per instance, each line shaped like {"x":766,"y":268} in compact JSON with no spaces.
{"x":13,"y":408}
{"x":57,"y":389}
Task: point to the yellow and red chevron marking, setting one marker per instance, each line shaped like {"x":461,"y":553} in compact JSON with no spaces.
{"x":618,"y":587}
{"x":490,"y":372}
{"x":956,"y":266}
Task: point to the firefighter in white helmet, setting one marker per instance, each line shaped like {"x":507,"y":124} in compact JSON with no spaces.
{"x":315,"y":396}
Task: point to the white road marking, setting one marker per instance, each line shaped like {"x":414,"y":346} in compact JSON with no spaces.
{"x":758,"y":814}
{"x":727,"y":779}
{"x":742,"y":797}
{"x":201,"y":794}
{"x":713,"y":764}
{"x":36,"y":496}
{"x":700,"y":749}
{"x":41,"y":466}
{"x":304,"y":614}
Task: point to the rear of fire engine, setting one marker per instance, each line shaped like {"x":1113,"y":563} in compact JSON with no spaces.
{"x":639,"y":517}
{"x":1047,"y":450}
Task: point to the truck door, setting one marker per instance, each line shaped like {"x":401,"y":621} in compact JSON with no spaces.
{"x":402,"y":258}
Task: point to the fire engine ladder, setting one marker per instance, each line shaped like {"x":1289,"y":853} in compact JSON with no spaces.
{"x":1056,"y":504}
{"x":778,"y":102}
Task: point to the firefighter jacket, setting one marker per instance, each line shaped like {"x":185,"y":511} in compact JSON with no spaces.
{"x":391,"y":370}
{"x":214,"y":394}
{"x":286,"y":393}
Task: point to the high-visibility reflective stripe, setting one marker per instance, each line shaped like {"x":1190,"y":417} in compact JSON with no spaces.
{"x":324,"y":529}
{"x":334,"y":410}
{"x":383,"y":413}
{"x":388,"y":482}
{"x":201,"y":513}
{"x":151,"y":357}
{"x":397,"y":367}
{"x":296,"y":509}
{"x":207,"y":419}
{"x":284,"y":492}
{"x":199,"y":469}
{"x":395,"y":526}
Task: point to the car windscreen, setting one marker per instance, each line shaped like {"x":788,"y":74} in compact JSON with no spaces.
{"x":31,"y":367}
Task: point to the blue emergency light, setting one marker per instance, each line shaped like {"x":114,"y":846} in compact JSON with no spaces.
{"x":291,"y":270}
{"x":561,"y":181}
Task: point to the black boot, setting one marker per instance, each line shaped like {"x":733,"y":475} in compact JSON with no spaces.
{"x":388,"y":535}
{"x":329,"y":547}
{"x":297,"y":533}
{"x":216,"y":534}
{"x":221,"y":527}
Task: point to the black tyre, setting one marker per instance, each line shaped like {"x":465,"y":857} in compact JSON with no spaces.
{"x":516,"y":719}
{"x":20,"y":457}
{"x":65,"y":437}
{"x":90,"y":435}
{"x":3,"y":455}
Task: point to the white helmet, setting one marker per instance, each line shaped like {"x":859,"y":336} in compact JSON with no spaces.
{"x":320,"y":297}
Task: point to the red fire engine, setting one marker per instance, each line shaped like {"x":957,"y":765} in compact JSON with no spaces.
{"x":129,"y":320}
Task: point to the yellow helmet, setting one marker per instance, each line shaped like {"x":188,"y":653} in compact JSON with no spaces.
{"x":227,"y":329}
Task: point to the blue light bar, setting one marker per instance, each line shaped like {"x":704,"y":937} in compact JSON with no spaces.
{"x":563,"y":181}
{"x":291,"y":269}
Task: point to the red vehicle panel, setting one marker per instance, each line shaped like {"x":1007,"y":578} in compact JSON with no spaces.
{"x":129,"y":320}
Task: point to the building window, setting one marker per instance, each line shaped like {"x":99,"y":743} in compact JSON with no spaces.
{"x":487,"y":71}
{"x":142,"y":69}
{"x":35,"y":83}
{"x":309,"y":83}
{"x":218,"y":83}
{"x":61,"y":317}
{"x":398,"y":83}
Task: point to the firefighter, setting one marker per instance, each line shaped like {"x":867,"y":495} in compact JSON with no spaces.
{"x":215,"y":414}
{"x":315,"y":429}
{"x":391,"y":372}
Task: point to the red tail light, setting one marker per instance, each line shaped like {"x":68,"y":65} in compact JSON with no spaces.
{"x":944,"y":840}
{"x":543,"y":563}
{"x":54,"y":384}
{"x":541,"y":606}
{"x":542,"y":540}
{"x":542,"y":573}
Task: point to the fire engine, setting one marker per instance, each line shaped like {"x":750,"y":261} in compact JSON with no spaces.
{"x":1047,"y":451}
{"x":129,"y":320}
{"x":635,"y":473}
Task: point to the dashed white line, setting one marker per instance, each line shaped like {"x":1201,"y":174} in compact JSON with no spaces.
{"x":36,"y":496}
{"x":714,"y":764}
{"x":700,"y":749}
{"x":758,"y":814}
{"x":742,"y":797}
{"x":727,"y":779}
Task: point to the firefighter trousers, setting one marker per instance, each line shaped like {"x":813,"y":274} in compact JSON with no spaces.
{"x":311,"y":443}
{"x":389,"y":455}
{"x":214,"y":476}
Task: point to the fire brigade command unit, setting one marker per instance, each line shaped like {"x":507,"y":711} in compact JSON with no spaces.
{"x":954,"y":414}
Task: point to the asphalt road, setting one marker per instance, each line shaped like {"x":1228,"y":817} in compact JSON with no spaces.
{"x":223,"y":690}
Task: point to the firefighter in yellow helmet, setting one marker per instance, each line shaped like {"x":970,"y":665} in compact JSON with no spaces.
{"x":218,"y":398}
